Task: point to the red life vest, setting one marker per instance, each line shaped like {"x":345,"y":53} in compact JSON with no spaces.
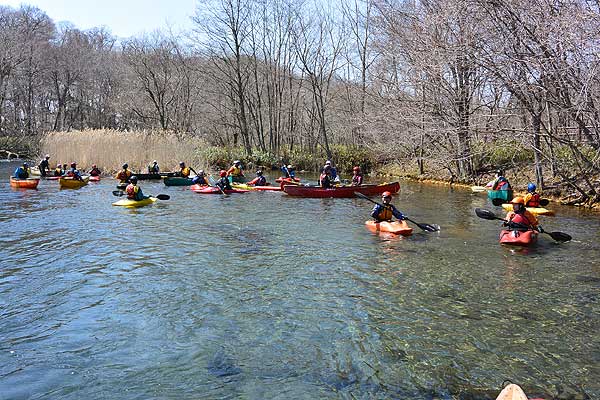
{"x":386,"y":213}
{"x":130,"y":191}
{"x":520,"y":219}
{"x":534,"y":200}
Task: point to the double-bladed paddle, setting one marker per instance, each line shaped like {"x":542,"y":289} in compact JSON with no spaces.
{"x":120,"y":193}
{"x":498,"y":202}
{"x":425,"y":227}
{"x":212,"y":182}
{"x":487,"y":214}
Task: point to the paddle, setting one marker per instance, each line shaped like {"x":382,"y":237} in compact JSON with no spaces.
{"x":120,"y":193}
{"x":498,"y":202}
{"x":425,"y":227}
{"x":487,"y":214}
{"x":212,"y":182}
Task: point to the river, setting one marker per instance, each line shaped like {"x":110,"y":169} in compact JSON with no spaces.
{"x":266,"y":296}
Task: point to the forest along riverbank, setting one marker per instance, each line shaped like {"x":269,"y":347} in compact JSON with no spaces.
{"x":261,"y":295}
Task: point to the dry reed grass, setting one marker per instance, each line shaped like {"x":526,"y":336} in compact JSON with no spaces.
{"x":109,"y":149}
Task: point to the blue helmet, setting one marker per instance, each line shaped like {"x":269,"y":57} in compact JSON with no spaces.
{"x":531,"y":187}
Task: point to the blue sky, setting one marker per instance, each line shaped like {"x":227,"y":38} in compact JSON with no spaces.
{"x":124,"y":18}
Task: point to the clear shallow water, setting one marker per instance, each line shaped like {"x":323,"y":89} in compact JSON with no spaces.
{"x":266,"y":296}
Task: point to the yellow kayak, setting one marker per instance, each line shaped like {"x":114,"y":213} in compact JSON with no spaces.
{"x":135,"y":203}
{"x":70,"y":183}
{"x":533,"y":210}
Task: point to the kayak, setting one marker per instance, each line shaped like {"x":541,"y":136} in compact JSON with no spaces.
{"x":135,"y":203}
{"x":177,"y":181}
{"x":395,"y":227}
{"x":533,"y":210}
{"x":53,"y":178}
{"x":203,"y":189}
{"x":478,"y":189}
{"x":340,"y":191}
{"x":245,"y":186}
{"x":237,"y":179}
{"x":29,"y":183}
{"x":142,"y":177}
{"x":512,"y":392}
{"x":94,"y":178}
{"x":70,"y":183}
{"x":518,"y":238}
{"x":282,"y":179}
{"x":504,"y":195}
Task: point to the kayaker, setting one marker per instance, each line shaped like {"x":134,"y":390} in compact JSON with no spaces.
{"x":520,"y":215}
{"x":385,"y":211}
{"x":44,"y":165}
{"x":223,"y":182}
{"x":288,"y":171}
{"x":58,"y":171}
{"x":124,"y":175}
{"x":74,"y":172}
{"x":183,"y":170}
{"x":200,"y":179}
{"x":325,"y":180}
{"x":532,"y":198}
{"x":134,"y":192}
{"x":23,"y":171}
{"x":260,"y":180}
{"x":333,"y":171}
{"x":499,"y":183}
{"x":153,"y":168}
{"x":357,"y":178}
{"x":235,"y":172}
{"x":95,"y":171}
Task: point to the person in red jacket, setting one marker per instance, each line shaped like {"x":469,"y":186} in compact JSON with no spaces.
{"x":260,"y":180}
{"x":357,"y":178}
{"x":532,"y":198}
{"x":519,"y":215}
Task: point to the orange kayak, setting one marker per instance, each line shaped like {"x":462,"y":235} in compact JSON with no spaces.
{"x":29,"y":183}
{"x":395,"y":227}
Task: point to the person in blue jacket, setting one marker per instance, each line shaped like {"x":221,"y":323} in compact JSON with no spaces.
{"x":385,"y":211}
{"x":23,"y":171}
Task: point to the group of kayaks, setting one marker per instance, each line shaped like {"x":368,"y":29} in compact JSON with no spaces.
{"x":63,"y":181}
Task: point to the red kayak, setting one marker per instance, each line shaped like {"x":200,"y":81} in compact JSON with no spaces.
{"x":395,"y":227}
{"x":94,"y":179}
{"x":282,"y":179}
{"x":340,"y":191}
{"x":203,"y":189}
{"x":518,"y":238}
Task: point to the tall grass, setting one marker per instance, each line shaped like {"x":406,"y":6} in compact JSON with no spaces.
{"x":109,"y":149}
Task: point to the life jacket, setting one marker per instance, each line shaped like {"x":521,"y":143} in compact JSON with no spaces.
{"x":385,"y":213}
{"x":22,"y":173}
{"x":525,"y":218}
{"x":234,"y":171}
{"x":58,"y":172}
{"x":501,"y":184}
{"x":258,"y":181}
{"x":153,"y":169}
{"x":95,"y":172}
{"x":185,"y":172}
{"x":325,"y":181}
{"x":131,"y":190}
{"x":223,"y":183}
{"x":532,"y":200}
{"x":199,"y":180}
{"x":357,"y":180}
{"x":123,"y":175}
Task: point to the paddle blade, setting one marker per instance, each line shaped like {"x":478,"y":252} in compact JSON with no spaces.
{"x":429,"y":227}
{"x":544,"y":202}
{"x":497,"y":202}
{"x":559,"y":236}
{"x":485,"y":214}
{"x":163,"y":196}
{"x":117,"y":193}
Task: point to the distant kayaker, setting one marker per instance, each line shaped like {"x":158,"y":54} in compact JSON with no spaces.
{"x":23,"y":171}
{"x":499,"y":183}
{"x":74,"y":172}
{"x":134,"y":192}
{"x":95,"y":171}
{"x":124,"y":174}
{"x":223,"y":182}
{"x":288,"y":171}
{"x":236,"y":172}
{"x":59,"y":171}
{"x":45,"y":165}
{"x":385,"y":211}
{"x":357,"y":178}
{"x":183,"y":170}
{"x":325,"y":180}
{"x":260,"y":180}
{"x":200,"y":179}
{"x":153,"y":168}
{"x":333,"y":171}
{"x":532,"y":198}
{"x":520,"y":215}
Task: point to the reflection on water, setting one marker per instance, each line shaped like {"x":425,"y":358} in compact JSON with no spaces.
{"x":266,"y":296}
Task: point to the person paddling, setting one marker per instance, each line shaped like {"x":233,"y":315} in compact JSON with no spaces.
{"x":260,"y":180}
{"x":183,"y":170}
{"x":124,"y":174}
{"x":134,"y":192}
{"x":200,"y":179}
{"x":22,"y":172}
{"x":288,"y":171}
{"x":59,"y":171}
{"x":74,"y":172}
{"x":223,"y":182}
{"x":520,"y":215}
{"x":357,"y":178}
{"x":532,"y":198}
{"x":499,"y":183}
{"x":154,"y":168}
{"x":385,"y":211}
{"x":45,"y":165}
{"x":95,"y":171}
{"x":236,"y":172}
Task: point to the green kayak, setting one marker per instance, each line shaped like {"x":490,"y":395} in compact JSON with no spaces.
{"x":504,"y":195}
{"x":177,"y":181}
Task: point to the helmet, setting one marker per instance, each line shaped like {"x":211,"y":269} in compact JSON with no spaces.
{"x":201,"y":172}
{"x":222,"y":173}
{"x":154,"y":162}
{"x":25,"y":164}
{"x":47,"y":156}
{"x":290,"y":166}
{"x":93,"y":165}
{"x":236,"y":162}
{"x":531,"y":187}
{"x":327,"y":162}
{"x":133,"y":179}
{"x":73,"y":164}
{"x":259,"y":172}
{"x":59,"y":165}
{"x":357,"y":168}
{"x":518,"y":200}
{"x":181,"y":164}
{"x":125,"y":166}
{"x":386,"y":194}
{"x":499,"y":172}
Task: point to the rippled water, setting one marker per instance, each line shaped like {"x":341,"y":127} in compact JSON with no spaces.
{"x":263,"y":295}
